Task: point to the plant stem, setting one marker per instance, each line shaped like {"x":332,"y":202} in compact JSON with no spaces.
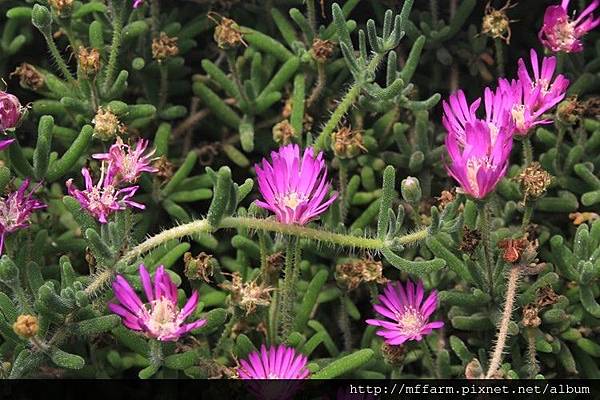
{"x":511,"y":293}
{"x":527,"y":213}
{"x":155,"y":15}
{"x":60,"y":62}
{"x":344,"y":322}
{"x":428,"y":357}
{"x":117,"y":15}
{"x":499,"y":56}
{"x":486,"y":239}
{"x":531,"y":352}
{"x":527,"y":151}
{"x":288,"y":290}
{"x":156,"y":352}
{"x":343,"y":178}
{"x":226,"y":332}
{"x":164,"y":86}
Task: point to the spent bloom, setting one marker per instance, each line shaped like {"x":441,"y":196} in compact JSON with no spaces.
{"x":104,"y":198}
{"x":276,"y":362}
{"x":294,"y":187}
{"x":562,"y":33}
{"x":406,"y":311}
{"x":160,"y":318}
{"x":15,"y":210}
{"x":10,"y":111}
{"x":127,"y":163}
{"x":533,"y":95}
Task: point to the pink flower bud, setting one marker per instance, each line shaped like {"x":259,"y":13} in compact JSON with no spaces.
{"x":10,"y":111}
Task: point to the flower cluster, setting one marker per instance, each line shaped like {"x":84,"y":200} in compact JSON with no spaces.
{"x":479,"y":149}
{"x":160,"y":318}
{"x":121,"y":165}
{"x":561,"y":33}
{"x":15,"y":210}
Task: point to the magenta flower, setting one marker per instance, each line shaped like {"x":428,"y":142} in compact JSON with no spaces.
{"x":294,"y":188}
{"x":278,"y":362}
{"x":161,"y":317}
{"x":533,"y":96}
{"x":126,"y":164}
{"x":10,"y":112}
{"x":408,"y":313}
{"x":137,"y":3}
{"x":5,"y":143}
{"x":104,"y":198}
{"x":561,"y":33}
{"x":15,"y":210}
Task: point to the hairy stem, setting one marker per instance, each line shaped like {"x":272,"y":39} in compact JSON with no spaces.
{"x":288,"y":290}
{"x":60,"y":62}
{"x":499,"y":56}
{"x":511,"y":293}
{"x":111,"y":68}
{"x":486,"y":239}
{"x":527,"y":151}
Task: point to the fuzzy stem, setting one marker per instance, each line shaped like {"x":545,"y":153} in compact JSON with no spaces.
{"x":287,"y":291}
{"x":312,"y":15}
{"x":319,"y":86}
{"x":100,"y":281}
{"x":343,"y":178}
{"x":527,"y":151}
{"x":511,"y":294}
{"x":428,"y":357}
{"x":347,"y":101}
{"x":531,"y":352}
{"x":486,"y":239}
{"x":270,"y":226}
{"x":527,"y":214}
{"x":226,"y":332}
{"x":115,"y":46}
{"x":155,"y":15}
{"x":344,"y":323}
{"x":60,"y":62}
{"x":164,"y":86}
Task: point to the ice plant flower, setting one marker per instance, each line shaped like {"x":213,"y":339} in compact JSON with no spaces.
{"x":458,"y":113}
{"x":15,"y":210}
{"x":137,"y":3}
{"x":406,"y":311}
{"x":294,"y":187}
{"x":104,"y":198}
{"x":160,"y":318}
{"x":532,"y":96}
{"x":127,"y":163}
{"x":276,"y":362}
{"x":10,"y":111}
{"x":561,"y":33}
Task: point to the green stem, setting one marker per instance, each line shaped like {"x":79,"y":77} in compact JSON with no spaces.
{"x":155,"y":15}
{"x":60,"y":62}
{"x":164,"y":86}
{"x":344,"y":323}
{"x":347,"y":101}
{"x":226,"y":333}
{"x":561,"y":135}
{"x":343,"y":178}
{"x":288,"y":290}
{"x":428,"y":357}
{"x":117,"y":15}
{"x":312,"y":16}
{"x":527,"y":151}
{"x":527,"y":213}
{"x":486,"y":239}
{"x":499,"y":56}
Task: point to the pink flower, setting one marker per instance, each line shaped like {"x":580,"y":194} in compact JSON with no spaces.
{"x":278,"y":362}
{"x":126,"y":164}
{"x":137,"y":3}
{"x":5,"y":143}
{"x":161,"y":317}
{"x":407,"y":312}
{"x":104,"y":198}
{"x":561,"y":33}
{"x":15,"y":210}
{"x":294,"y":188}
{"x":10,"y":112}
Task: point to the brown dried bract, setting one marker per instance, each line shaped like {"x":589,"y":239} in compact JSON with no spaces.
{"x":247,"y":295}
{"x":352,"y":274}
{"x":470,"y":240}
{"x":29,"y":77}
{"x":164,"y":47}
{"x":546,"y":296}
{"x":513,"y":249}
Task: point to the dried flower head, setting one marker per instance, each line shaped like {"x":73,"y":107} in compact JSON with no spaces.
{"x":570,"y":110}
{"x":164,"y":168}
{"x":164,"y":47}
{"x":512,"y":249}
{"x":407,"y":311}
{"x":353,"y":273}
{"x":283,"y":132}
{"x":106,"y":124}
{"x":160,"y":318}
{"x":275,"y":262}
{"x":470,"y":240}
{"x":247,"y":295}
{"x":347,"y":143}
{"x":579,"y":218}
{"x":199,"y":267}
{"x":294,"y":187}
{"x":227,"y":32}
{"x":531,"y":318}
{"x":26,"y":326}
{"x":321,"y":50}
{"x":89,"y":60}
{"x":29,"y":76}
{"x":562,"y":33}
{"x":445,"y":198}
{"x":534,"y":181}
{"x":62,"y":7}
{"x":15,"y":210}
{"x":545,"y":296}
{"x":496,"y":23}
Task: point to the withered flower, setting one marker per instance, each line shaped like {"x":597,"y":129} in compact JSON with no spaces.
{"x":355,"y":272}
{"x":470,"y":240}
{"x":89,"y":60}
{"x":164,"y":47}
{"x":200,"y":267}
{"x":247,"y":295}
{"x":534,"y":181}
{"x":347,"y":143}
{"x":29,"y":76}
{"x":227,"y":34}
{"x":283,"y":132}
{"x":321,"y":49}
{"x":531,"y":318}
{"x":496,"y":23}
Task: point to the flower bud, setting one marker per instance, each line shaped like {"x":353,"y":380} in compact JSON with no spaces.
{"x":10,"y":111}
{"x":411,"y":190}
{"x":41,"y":18}
{"x":26,"y":326}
